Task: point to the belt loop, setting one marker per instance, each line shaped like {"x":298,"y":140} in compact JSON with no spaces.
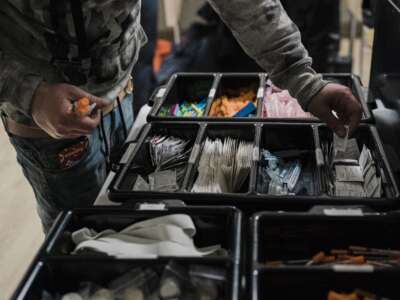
{"x":129,"y":89}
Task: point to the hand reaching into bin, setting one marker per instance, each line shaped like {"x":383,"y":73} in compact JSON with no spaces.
{"x":268,"y":35}
{"x":338,"y":98}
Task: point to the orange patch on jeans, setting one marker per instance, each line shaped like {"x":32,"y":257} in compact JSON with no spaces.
{"x":71,"y":155}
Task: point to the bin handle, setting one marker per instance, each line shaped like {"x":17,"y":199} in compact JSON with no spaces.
{"x":342,"y":211}
{"x":159,"y":205}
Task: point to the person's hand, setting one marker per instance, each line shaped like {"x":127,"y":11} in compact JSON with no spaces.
{"x":338,"y":98}
{"x":52,"y":110}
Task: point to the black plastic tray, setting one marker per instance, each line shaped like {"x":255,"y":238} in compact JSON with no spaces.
{"x":287,"y":236}
{"x":184,"y":86}
{"x":275,"y":136}
{"x":55,"y":270}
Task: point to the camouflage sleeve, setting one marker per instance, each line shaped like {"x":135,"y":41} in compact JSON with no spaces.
{"x":267,"y":34}
{"x":17,"y":83}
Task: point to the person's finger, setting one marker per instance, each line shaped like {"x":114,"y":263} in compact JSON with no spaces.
{"x":354,"y":119}
{"x":53,"y":135}
{"x":66,"y":135}
{"x":337,"y":125}
{"x":72,"y":136}
{"x":83,"y":124}
{"x":79,"y":93}
{"x":79,"y":132}
{"x":100,"y":102}
{"x":79,"y":125}
{"x":351,"y":111}
{"x":86,"y":124}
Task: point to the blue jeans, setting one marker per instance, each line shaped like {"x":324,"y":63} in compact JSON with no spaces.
{"x":58,"y":188}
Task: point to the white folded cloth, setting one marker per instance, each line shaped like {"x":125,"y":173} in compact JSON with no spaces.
{"x":170,"y":235}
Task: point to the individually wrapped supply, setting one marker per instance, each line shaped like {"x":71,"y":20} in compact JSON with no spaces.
{"x":185,"y":109}
{"x":280,"y":104}
{"x":172,"y":281}
{"x":280,"y":176}
{"x":355,"y":295}
{"x":224,"y":166}
{"x":242,"y":105}
{"x":349,"y":172}
{"x":169,"y":156}
{"x":352,"y":255}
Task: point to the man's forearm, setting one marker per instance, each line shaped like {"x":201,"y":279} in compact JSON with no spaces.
{"x":17,"y":83}
{"x":267,"y":34}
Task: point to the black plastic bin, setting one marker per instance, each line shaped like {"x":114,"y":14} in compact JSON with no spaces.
{"x":216,"y":225}
{"x":193,"y":86}
{"x":65,"y":276}
{"x":299,"y":284}
{"x":278,"y":236}
{"x":55,"y":269}
{"x":274,"y":137}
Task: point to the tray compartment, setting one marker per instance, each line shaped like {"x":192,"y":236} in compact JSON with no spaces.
{"x":283,"y":236}
{"x":214,"y":226}
{"x":280,"y":138}
{"x":351,"y":81}
{"x":232,"y":85}
{"x":193,"y":88}
{"x":367,"y":135}
{"x":293,"y":236}
{"x":213,"y":131}
{"x":273,"y":284}
{"x":64,"y":276}
{"x":140,"y":161}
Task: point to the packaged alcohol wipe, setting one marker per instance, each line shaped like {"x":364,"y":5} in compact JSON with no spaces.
{"x":224,"y":166}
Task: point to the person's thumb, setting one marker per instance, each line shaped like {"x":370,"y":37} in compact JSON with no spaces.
{"x":335,"y":124}
{"x":100,"y":102}
{"x":79,"y":94}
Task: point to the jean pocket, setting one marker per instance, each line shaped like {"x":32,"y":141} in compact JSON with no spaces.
{"x":57,"y":156}
{"x":78,"y":183}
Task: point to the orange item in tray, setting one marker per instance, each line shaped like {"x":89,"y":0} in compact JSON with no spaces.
{"x":356,"y":295}
{"x":229,"y":107}
{"x":337,"y":296}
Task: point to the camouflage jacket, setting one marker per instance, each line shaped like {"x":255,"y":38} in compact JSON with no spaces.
{"x":39,"y":41}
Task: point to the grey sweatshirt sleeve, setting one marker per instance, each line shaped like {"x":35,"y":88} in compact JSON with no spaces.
{"x":17,"y":83}
{"x":267,"y":34}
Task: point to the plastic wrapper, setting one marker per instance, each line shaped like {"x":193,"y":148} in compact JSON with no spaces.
{"x":280,"y":104}
{"x":169,"y":156}
{"x":237,"y":104}
{"x":286,"y":173}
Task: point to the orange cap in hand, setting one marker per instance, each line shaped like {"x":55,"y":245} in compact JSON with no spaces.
{"x":82,"y":106}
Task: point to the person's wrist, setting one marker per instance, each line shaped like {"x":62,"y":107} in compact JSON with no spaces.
{"x":315,"y":101}
{"x":313,"y":94}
